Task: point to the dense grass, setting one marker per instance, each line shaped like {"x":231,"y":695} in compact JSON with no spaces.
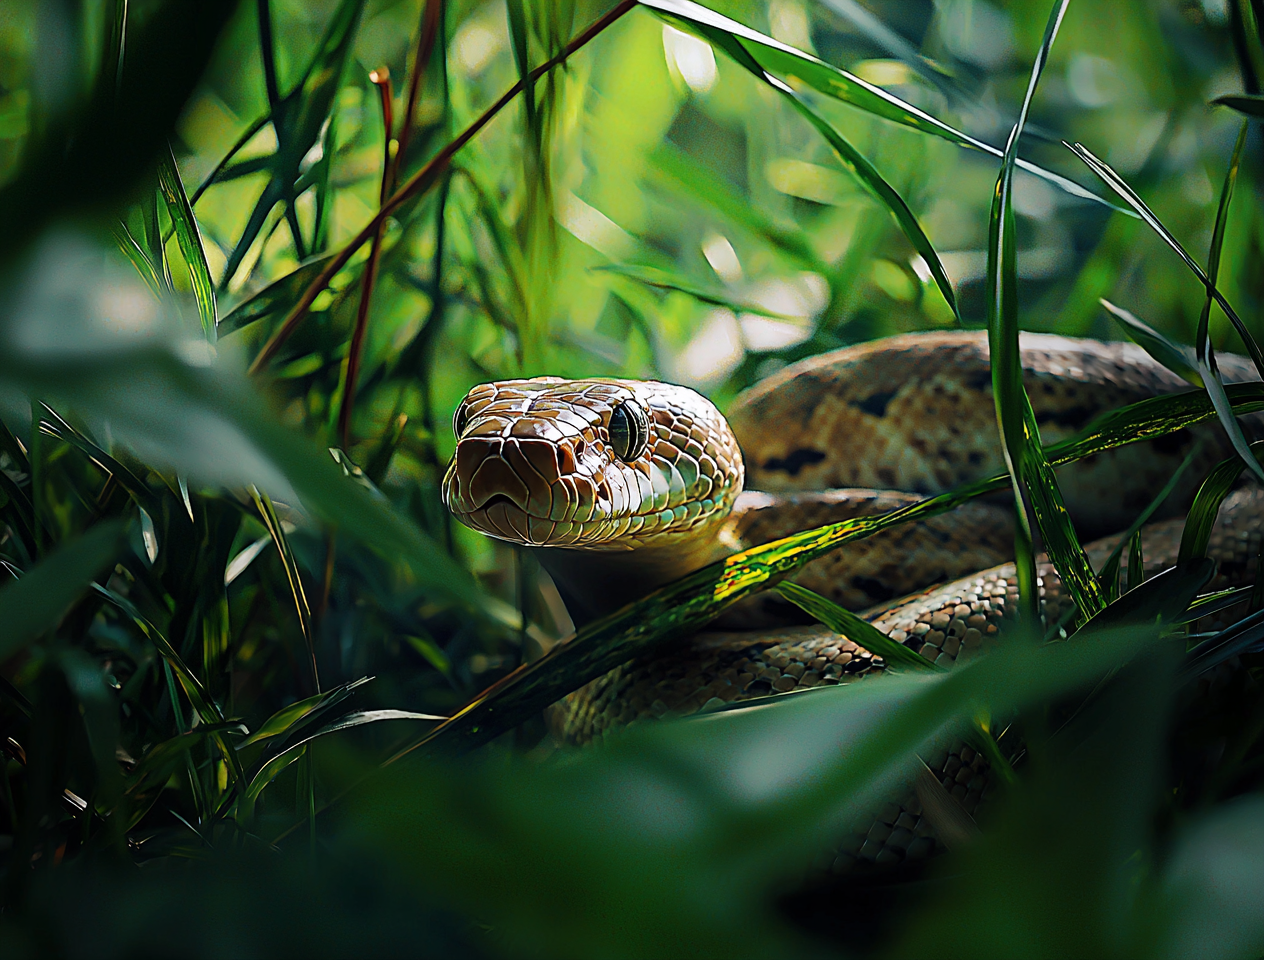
{"x":240,"y":241}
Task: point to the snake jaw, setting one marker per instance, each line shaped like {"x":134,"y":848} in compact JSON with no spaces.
{"x":535,"y":464}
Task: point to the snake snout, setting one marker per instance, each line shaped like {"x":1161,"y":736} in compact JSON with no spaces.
{"x":504,"y":486}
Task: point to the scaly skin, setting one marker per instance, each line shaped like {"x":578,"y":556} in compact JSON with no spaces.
{"x":535,"y":466}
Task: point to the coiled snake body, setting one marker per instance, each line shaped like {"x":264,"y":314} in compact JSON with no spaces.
{"x":625,"y":485}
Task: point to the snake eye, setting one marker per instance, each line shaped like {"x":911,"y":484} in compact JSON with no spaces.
{"x":460,"y":418}
{"x":629,"y":430}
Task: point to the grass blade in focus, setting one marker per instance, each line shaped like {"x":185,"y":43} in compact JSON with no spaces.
{"x":1029,"y":469}
{"x":856,"y":629}
{"x":190,"y":240}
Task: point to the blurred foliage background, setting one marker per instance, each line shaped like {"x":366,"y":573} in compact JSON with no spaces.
{"x":196,"y":592}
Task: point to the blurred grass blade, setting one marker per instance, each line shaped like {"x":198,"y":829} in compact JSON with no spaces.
{"x":1115,"y":182}
{"x":1136,"y":561}
{"x":1177,"y":357}
{"x":1202,"y":513}
{"x":1109,"y":576}
{"x":36,"y":602}
{"x":854,"y":628}
{"x":775,"y":57}
{"x":696,"y":185}
{"x":275,"y":764}
{"x":1250,"y":104}
{"x":1245,"y":635}
{"x":519,"y":42}
{"x":1029,"y":470}
{"x":274,"y":298}
{"x":864,"y":171}
{"x":669,"y":280}
{"x":190,"y":241}
{"x":136,"y":254}
{"x":285,"y":719}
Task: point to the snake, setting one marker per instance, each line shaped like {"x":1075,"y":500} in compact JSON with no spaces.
{"x":619,"y":486}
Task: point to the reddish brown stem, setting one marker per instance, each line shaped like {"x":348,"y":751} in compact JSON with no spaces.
{"x":382,"y":79}
{"x":418,"y":184}
{"x":431,"y":17}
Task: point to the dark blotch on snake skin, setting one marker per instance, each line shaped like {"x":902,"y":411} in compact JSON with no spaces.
{"x":795,"y":462}
{"x":875,"y":404}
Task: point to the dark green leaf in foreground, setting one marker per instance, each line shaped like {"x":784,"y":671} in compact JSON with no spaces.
{"x":1250,"y":104}
{"x":35,"y":603}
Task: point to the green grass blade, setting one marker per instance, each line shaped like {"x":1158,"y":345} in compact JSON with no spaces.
{"x":292,"y":575}
{"x":1110,"y":569}
{"x":288,"y":718}
{"x":136,"y":254}
{"x":274,"y":298}
{"x":854,"y":628}
{"x":274,"y":765}
{"x":1029,"y":469}
{"x":1202,"y":513}
{"x":35,"y":603}
{"x":695,"y":184}
{"x":1177,"y":357}
{"x":1117,"y":183}
{"x":775,"y":57}
{"x":1136,"y":561}
{"x":190,"y":241}
{"x":1250,"y":104}
{"x":664,"y":279}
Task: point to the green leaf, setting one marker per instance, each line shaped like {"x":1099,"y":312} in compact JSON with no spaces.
{"x":36,"y":602}
{"x":285,"y":719}
{"x":1202,"y":513}
{"x":190,"y":241}
{"x":275,"y":298}
{"x":1250,"y":104}
{"x":1177,"y":357}
{"x":851,"y":158}
{"x":278,"y":762}
{"x":854,"y":628}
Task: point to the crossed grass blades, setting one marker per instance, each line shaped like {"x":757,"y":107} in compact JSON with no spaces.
{"x":157,"y":716}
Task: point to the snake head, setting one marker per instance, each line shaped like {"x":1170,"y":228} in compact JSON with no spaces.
{"x":590,"y":464}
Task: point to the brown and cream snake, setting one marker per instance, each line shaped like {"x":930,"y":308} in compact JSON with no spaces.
{"x":621,"y":486}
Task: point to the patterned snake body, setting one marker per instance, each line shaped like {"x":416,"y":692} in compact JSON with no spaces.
{"x":625,"y":485}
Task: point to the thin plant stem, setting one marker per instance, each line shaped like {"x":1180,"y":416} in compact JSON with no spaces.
{"x":382,"y":80}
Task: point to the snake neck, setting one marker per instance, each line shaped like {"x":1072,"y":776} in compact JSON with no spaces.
{"x":594,"y":583}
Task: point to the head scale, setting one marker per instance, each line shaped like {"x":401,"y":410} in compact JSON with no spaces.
{"x":591,"y":464}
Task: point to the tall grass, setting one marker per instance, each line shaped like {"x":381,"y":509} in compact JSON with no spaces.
{"x":254,"y":255}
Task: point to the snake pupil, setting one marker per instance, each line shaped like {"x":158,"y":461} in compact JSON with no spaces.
{"x":629,"y":430}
